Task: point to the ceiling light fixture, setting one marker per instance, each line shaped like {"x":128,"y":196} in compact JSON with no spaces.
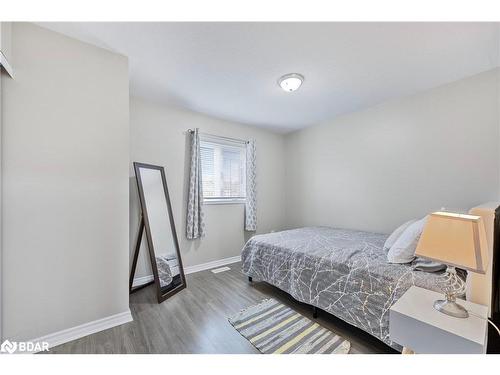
{"x":291,"y":82}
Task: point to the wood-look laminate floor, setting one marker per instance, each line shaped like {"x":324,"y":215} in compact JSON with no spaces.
{"x":195,"y":320}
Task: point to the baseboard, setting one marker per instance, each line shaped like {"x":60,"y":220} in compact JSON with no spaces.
{"x":212,"y":264}
{"x":138,"y":281}
{"x":70,"y":334}
{"x":192,"y":269}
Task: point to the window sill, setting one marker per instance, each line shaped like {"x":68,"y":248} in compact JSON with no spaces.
{"x":223,"y":201}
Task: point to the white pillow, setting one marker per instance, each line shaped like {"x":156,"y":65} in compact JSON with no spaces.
{"x":391,"y":240}
{"x":403,"y":250}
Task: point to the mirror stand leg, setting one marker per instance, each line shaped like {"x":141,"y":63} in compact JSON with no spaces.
{"x":136,"y":254}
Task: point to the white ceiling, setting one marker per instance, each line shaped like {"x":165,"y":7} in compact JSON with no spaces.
{"x":229,"y":70}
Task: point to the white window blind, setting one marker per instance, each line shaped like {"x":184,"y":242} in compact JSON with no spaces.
{"x":223,"y":169}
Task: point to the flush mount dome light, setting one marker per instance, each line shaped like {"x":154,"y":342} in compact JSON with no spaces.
{"x":291,"y":82}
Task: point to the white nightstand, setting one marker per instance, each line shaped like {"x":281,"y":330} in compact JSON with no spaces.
{"x":415,"y":324}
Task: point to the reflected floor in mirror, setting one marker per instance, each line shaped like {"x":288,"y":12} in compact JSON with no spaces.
{"x":195,"y":320}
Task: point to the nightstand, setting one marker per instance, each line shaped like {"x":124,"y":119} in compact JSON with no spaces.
{"x":415,"y":324}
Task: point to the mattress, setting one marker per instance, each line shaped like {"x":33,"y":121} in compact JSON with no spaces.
{"x":343,"y":272}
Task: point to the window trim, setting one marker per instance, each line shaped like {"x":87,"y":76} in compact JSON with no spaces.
{"x":231,"y":200}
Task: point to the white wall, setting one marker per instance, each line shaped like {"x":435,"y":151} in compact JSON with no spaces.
{"x":65,"y":184}
{"x":158,"y":136}
{"x":373,"y":169}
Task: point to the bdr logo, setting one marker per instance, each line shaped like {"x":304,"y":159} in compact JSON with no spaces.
{"x":23,"y":347}
{"x":8,"y":347}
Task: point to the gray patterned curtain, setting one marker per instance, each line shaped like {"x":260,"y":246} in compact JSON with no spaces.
{"x":195,"y":227}
{"x":251,"y":201}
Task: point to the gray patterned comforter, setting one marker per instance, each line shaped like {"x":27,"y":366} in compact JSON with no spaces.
{"x":343,"y":272}
{"x":164,"y":271}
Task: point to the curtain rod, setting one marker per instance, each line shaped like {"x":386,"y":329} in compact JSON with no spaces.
{"x":221,"y":137}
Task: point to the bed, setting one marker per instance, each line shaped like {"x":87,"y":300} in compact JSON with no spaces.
{"x":343,"y":272}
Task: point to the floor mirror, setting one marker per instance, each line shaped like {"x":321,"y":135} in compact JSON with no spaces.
{"x":158,"y":223}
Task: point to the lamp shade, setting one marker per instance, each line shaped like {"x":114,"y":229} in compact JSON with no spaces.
{"x":455,"y":239}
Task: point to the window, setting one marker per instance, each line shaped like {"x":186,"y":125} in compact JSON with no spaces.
{"x":223,"y":170}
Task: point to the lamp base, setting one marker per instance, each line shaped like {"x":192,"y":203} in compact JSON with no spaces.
{"x":451,"y":308}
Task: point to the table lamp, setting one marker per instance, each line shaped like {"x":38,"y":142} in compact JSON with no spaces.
{"x":457,"y":240}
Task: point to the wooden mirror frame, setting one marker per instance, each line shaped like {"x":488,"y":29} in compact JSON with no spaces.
{"x":145,"y":224}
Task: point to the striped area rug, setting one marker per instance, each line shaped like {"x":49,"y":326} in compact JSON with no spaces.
{"x":275,"y":328}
